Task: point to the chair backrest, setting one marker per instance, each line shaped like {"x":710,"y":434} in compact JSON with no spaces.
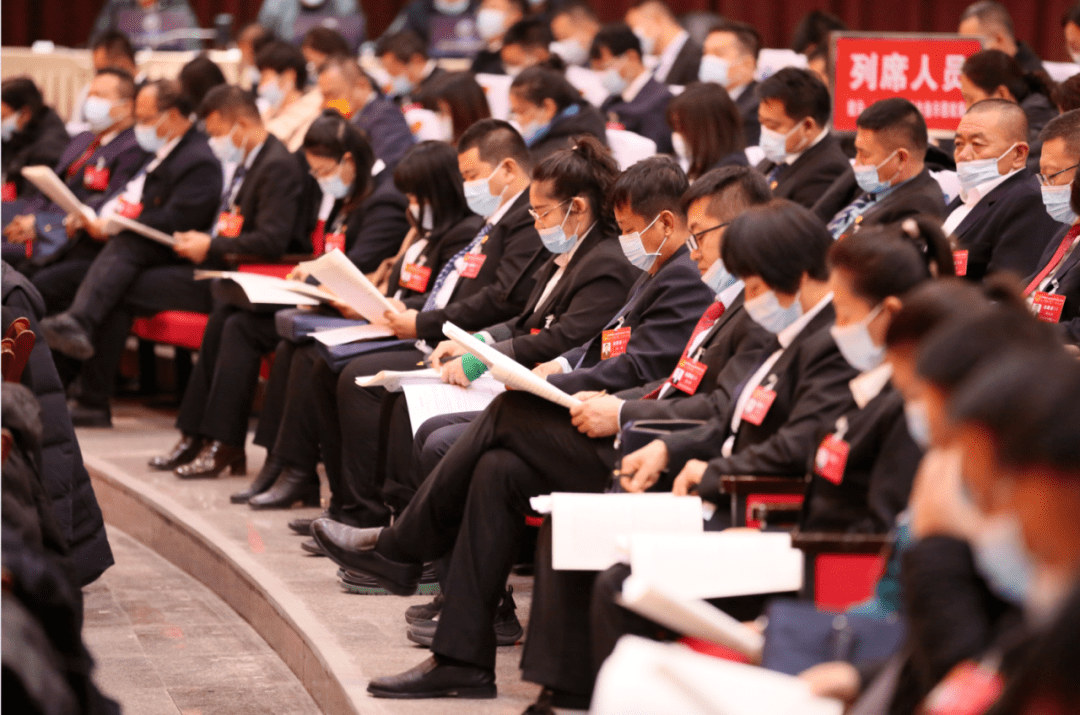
{"x":629,"y":148}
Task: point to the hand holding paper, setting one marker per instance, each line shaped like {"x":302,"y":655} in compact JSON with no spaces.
{"x":338,"y":275}
{"x":46,"y":180}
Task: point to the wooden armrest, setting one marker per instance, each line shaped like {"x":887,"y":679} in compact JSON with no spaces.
{"x":743,"y":484}
{"x":288,"y":259}
{"x":776,"y":513}
{"x":816,"y":542}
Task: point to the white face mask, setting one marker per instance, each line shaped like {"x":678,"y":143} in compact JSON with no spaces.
{"x":918,"y":422}
{"x":1003,"y":559}
{"x":856,"y":345}
{"x":9,"y":126}
{"x":634,"y":248}
{"x":97,"y":112}
{"x":767,"y":312}
{"x":774,"y":144}
{"x":225,"y":150}
{"x":1057,"y":200}
{"x":571,"y":51}
{"x":679,"y":144}
{"x":451,"y":7}
{"x":490,"y":23}
{"x":427,"y":221}
{"x":979,"y":171}
{"x":714,"y":69}
{"x":479,"y":198}
{"x":717,"y":277}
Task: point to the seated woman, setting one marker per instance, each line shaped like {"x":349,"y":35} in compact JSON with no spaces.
{"x":213,"y":416}
{"x":551,"y":112}
{"x":458,"y":100}
{"x":706,"y":129}
{"x":442,"y":225}
{"x":31,"y":134}
{"x":289,"y":106}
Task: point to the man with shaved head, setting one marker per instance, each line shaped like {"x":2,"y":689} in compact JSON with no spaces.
{"x":998,"y":219}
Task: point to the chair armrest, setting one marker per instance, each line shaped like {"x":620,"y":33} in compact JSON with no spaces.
{"x":743,"y":484}
{"x":818,"y":542}
{"x":776,"y":513}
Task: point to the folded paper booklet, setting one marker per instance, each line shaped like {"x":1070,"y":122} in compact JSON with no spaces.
{"x":690,"y":617}
{"x":118,"y":223}
{"x":427,"y":400}
{"x":46,"y":180}
{"x":648,"y":678}
{"x":586,"y":528}
{"x":736,"y":562}
{"x":351,"y":287}
{"x":270,"y":290}
{"x":351,"y":334}
{"x":507,"y":371}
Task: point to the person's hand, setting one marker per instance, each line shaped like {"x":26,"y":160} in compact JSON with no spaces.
{"x":835,"y":679}
{"x":21,"y":229}
{"x":345,"y":310}
{"x":192,"y":245}
{"x":297,"y":274}
{"x":547,"y":368}
{"x":689,"y":478}
{"x":641,"y":469}
{"x":75,"y":222}
{"x":597,"y":415}
{"x":96,"y":229}
{"x":403,"y":324}
{"x":398,"y":305}
{"x":444,"y":351}
{"x":453,"y":373}
{"x":938,"y":506}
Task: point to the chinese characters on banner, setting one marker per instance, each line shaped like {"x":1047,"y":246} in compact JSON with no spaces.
{"x":925,"y":70}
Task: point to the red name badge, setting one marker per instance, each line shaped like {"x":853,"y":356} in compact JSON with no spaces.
{"x":7,"y":193}
{"x":613,"y":342}
{"x":415,"y":277}
{"x":229,"y":224}
{"x":1047,"y":306}
{"x":758,"y":405}
{"x":334,"y":240}
{"x":960,"y":259}
{"x":128,"y":209}
{"x":96,"y":178}
{"x":473,"y":263}
{"x":831,"y":459}
{"x":968,"y":689}
{"x":535,"y":331}
{"x":688,"y":374}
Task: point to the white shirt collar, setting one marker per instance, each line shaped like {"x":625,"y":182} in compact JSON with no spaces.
{"x":729,"y":294}
{"x":867,"y":385}
{"x":634,"y":88}
{"x":736,"y":92}
{"x":792,"y":158}
{"x":979,"y":192}
{"x":169,"y":146}
{"x":501,"y":211}
{"x":106,"y":138}
{"x":787,"y":336}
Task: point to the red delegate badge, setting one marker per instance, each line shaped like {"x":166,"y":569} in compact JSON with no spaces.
{"x":96,"y":178}
{"x":831,"y":458}
{"x":759,"y":403}
{"x":688,"y":374}
{"x":334,"y":240}
{"x":229,"y":224}
{"x":1047,"y":306}
{"x":473,"y":263}
{"x":960,"y":261}
{"x":613,"y":342}
{"x":8,"y":192}
{"x":968,"y":689}
{"x":128,"y":209}
{"x":415,"y":277}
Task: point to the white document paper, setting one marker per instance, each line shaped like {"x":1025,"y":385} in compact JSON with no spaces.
{"x":694,"y":618}
{"x":644,"y":677}
{"x":507,"y":371}
{"x":586,"y":528}
{"x":351,"y":334}
{"x":392,"y":380}
{"x":270,"y":290}
{"x":118,"y":223}
{"x":735,"y":562}
{"x":351,"y":287}
{"x":427,"y":400}
{"x":46,"y":180}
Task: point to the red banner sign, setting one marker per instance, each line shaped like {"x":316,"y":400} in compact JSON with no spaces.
{"x":922,"y":68}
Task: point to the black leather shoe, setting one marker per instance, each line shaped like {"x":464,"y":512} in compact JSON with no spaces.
{"x":293,"y":485}
{"x":508,"y":630}
{"x":432,"y":679}
{"x":363,"y":585}
{"x":214,"y":459}
{"x":424,"y":611}
{"x":269,"y":473}
{"x":65,"y":335}
{"x":312,"y":547}
{"x":550,"y":699}
{"x":182,"y":452}
{"x":302,"y":526}
{"x":83,"y":416}
{"x":354,"y":549}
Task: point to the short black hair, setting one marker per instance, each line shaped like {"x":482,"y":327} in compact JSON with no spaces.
{"x":899,"y":117}
{"x":21,"y":93}
{"x":930,"y":304}
{"x":496,"y":140}
{"x":587,"y":170}
{"x":812,"y":33}
{"x":801,"y":92}
{"x":728,"y":189}
{"x":326,"y":41}
{"x":127,"y":82}
{"x":115,"y":43}
{"x":746,"y":35}
{"x":1072,"y":15}
{"x":198,"y":77}
{"x":618,"y":38}
{"x":990,"y":13}
{"x":1064,"y":126}
{"x":650,"y":186}
{"x":577,"y":9}
{"x":403,"y":45}
{"x":170,"y":94}
{"x":231,"y":102}
{"x":535,"y":84}
{"x":990,"y":69}
{"x":279,"y":56}
{"x":530,"y":33}
{"x":1066,"y":95}
{"x":778,"y":242}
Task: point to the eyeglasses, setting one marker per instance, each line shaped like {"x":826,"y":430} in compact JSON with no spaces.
{"x":1045,"y":180}
{"x":537,"y":217}
{"x":692,"y":242}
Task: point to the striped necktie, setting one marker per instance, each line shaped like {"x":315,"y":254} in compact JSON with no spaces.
{"x":705,"y":322}
{"x":450,"y":266}
{"x":843,"y":220}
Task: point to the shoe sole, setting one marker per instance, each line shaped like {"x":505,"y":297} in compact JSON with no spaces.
{"x":485,"y":692}
{"x":499,"y":641}
{"x":424,"y":589}
{"x":313,"y":552}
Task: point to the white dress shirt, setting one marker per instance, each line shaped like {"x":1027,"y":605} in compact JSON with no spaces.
{"x":977,"y":194}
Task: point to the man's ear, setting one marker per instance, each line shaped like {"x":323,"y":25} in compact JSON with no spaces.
{"x":550,"y":108}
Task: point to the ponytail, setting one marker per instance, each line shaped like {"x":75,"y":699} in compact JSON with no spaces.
{"x":587,"y":170}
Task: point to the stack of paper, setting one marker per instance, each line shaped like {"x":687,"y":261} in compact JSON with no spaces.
{"x":428,"y":396}
{"x":48,"y":183}
{"x":270,"y":290}
{"x":349,"y":285}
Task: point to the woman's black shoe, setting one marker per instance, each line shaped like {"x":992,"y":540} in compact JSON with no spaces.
{"x":293,"y":485}
{"x":269,"y":474}
{"x":184,"y":451}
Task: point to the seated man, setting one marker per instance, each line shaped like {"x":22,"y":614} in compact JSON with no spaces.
{"x":525,"y":44}
{"x":890,"y":181}
{"x":637,"y":101}
{"x":256,"y":216}
{"x":95,"y":165}
{"x":473,"y":502}
{"x":678,"y":55}
{"x":405,"y":58}
{"x":573,"y":27}
{"x":802,"y":159}
{"x":990,"y":22}
{"x":283,"y":85}
{"x":110,"y":49}
{"x":492,"y":22}
{"x":348,"y":89}
{"x":730,"y":59}
{"x":31,"y":134}
{"x":999,"y":219}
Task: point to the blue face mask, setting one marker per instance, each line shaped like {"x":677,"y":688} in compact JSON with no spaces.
{"x":867,"y":176}
{"x":714,"y":69}
{"x":225,"y":150}
{"x":918,"y":423}
{"x":272,"y":93}
{"x":1003,"y":559}
{"x":96,"y":110}
{"x":774,"y":144}
{"x":531,"y":131}
{"x":978,"y":171}
{"x":400,"y":85}
{"x":717,"y":277}
{"x":334,"y":186}
{"x":479,"y":198}
{"x":767,"y":312}
{"x":9,"y":126}
{"x":857,"y":346}
{"x":148,"y":139}
{"x":1057,"y":199}
{"x":555,"y":238}
{"x":613,"y":82}
{"x":634,"y":249}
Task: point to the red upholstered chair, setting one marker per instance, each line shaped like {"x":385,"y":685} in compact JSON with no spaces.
{"x":841,"y":569}
{"x":753,"y":497}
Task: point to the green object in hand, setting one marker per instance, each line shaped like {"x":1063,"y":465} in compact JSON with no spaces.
{"x":472,"y":367}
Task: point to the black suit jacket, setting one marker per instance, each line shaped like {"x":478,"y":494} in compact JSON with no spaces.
{"x":811,"y":175}
{"x":183,"y":192}
{"x":40,"y":142}
{"x":383,"y":122}
{"x":661,"y":313}
{"x":564,"y":130}
{"x":380,"y":219}
{"x":593,"y":287}
{"x":919,"y":195}
{"x":747,"y":104}
{"x":1007,"y":229}
{"x":1066,"y":282}
{"x":685,"y":68}
{"x":487,"y":62}
{"x":267,"y":199}
{"x":646,"y":114}
{"x":439,"y":249}
{"x":505,"y":281}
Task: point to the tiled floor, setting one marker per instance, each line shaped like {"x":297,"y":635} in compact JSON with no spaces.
{"x":165,"y":645}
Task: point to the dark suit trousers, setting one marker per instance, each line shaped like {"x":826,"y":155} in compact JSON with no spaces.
{"x":218,"y":398}
{"x":59,"y":282}
{"x":297,"y":442}
{"x":474,"y":503}
{"x":274,"y":405}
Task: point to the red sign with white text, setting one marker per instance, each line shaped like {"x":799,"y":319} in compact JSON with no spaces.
{"x":922,"y":68}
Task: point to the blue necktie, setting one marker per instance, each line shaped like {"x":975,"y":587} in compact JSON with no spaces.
{"x":843,"y":220}
{"x":447,"y":269}
{"x":774,"y":176}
